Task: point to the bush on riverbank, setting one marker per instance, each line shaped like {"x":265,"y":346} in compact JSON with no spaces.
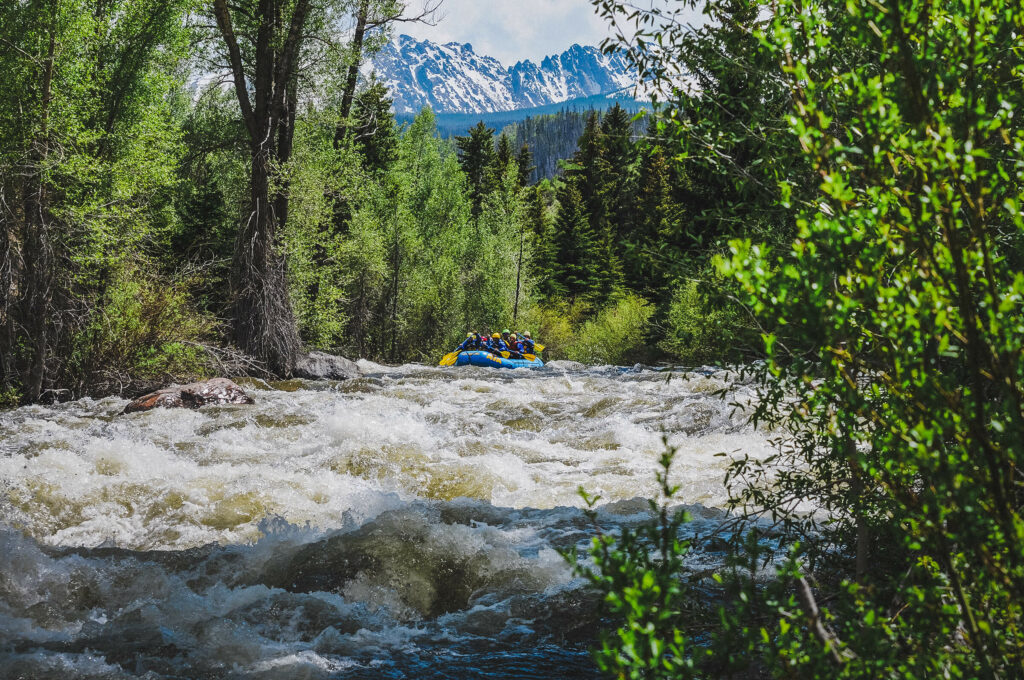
{"x":144,"y":332}
{"x":705,"y":326}
{"x":615,"y":336}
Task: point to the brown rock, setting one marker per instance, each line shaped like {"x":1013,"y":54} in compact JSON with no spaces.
{"x":215,"y":391}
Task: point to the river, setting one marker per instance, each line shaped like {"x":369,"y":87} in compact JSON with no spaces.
{"x":405,"y":524}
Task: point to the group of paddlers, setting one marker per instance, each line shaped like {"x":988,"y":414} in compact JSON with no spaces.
{"x":516,"y":344}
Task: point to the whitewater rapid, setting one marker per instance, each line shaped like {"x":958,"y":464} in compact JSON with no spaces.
{"x":404,"y":524}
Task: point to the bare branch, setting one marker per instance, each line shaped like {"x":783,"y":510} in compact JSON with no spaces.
{"x":223,"y":15}
{"x":428,"y":15}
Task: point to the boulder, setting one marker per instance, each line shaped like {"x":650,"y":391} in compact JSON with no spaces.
{"x":323,"y":366}
{"x":216,"y":391}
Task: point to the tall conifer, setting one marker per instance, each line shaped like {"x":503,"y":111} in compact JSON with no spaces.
{"x":661,"y":237}
{"x":576,"y":275}
{"x":590,"y":173}
{"x":476,"y":156}
{"x":524,"y":159}
{"x":619,"y":155}
{"x":503,"y":152}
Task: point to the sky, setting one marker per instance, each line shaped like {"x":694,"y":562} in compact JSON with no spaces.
{"x":511,"y":30}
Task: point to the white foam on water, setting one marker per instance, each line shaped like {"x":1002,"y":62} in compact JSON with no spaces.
{"x":385,"y":518}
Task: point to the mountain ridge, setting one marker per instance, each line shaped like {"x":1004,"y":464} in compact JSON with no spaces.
{"x":453,"y":78}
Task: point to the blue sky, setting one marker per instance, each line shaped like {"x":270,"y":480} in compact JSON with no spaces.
{"x":511,"y":30}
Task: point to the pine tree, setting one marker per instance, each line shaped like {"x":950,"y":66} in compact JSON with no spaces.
{"x":374,"y":130}
{"x":619,"y":155}
{"x":524,"y":159}
{"x":608,"y":279}
{"x":590,"y":172}
{"x":659,"y":240}
{"x":544,"y":263}
{"x":476,"y":156}
{"x":503,"y":153}
{"x":576,"y":274}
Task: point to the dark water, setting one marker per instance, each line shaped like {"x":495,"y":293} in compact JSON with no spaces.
{"x":407,"y":524}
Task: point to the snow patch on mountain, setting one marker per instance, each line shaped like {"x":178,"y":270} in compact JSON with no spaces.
{"x":452,"y":78}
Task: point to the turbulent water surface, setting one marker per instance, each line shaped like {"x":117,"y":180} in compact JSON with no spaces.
{"x":406,"y":524}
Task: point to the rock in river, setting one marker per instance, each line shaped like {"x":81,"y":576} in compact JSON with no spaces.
{"x":323,"y":366}
{"x":215,"y":391}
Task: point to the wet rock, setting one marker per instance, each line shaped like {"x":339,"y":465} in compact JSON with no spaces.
{"x":216,"y":391}
{"x":716,"y":544}
{"x":323,"y":366}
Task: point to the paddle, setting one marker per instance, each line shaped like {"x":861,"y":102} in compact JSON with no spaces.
{"x":449,"y":359}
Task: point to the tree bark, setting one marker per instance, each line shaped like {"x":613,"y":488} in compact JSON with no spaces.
{"x":8,"y":287}
{"x":396,"y":263}
{"x":264,"y":322}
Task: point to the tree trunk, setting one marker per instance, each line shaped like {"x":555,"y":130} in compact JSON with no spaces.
{"x":352,"y":78}
{"x":264,"y":322}
{"x":342,"y":211}
{"x":7,"y":288}
{"x":857,"y":486}
{"x":396,"y":262}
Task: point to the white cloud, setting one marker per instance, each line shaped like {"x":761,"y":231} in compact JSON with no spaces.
{"x":511,"y":30}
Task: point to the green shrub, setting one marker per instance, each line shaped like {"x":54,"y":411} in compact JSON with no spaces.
{"x":703,"y":327}
{"x":552,"y":325}
{"x":638,"y":575}
{"x":893,"y":384}
{"x":10,"y":397}
{"x":145,"y":330}
{"x":616,"y":335}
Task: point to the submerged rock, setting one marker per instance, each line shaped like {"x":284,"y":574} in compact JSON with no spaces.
{"x":194,"y":395}
{"x":323,"y":366}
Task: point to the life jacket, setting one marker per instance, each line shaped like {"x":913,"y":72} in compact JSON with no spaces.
{"x":499,"y":345}
{"x":467,"y":344}
{"x":529,"y":345}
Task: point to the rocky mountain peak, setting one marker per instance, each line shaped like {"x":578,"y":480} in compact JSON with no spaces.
{"x":452,"y":78}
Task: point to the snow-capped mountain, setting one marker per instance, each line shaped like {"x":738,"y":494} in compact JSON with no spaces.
{"x":452,"y":78}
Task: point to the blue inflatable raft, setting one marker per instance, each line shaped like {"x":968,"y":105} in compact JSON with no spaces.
{"x":481,"y":358}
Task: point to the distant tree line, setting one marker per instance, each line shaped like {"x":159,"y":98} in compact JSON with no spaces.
{"x":554,"y":137}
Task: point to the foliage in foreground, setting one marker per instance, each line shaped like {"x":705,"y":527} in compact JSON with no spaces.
{"x":895,"y":378}
{"x":638,"y":574}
